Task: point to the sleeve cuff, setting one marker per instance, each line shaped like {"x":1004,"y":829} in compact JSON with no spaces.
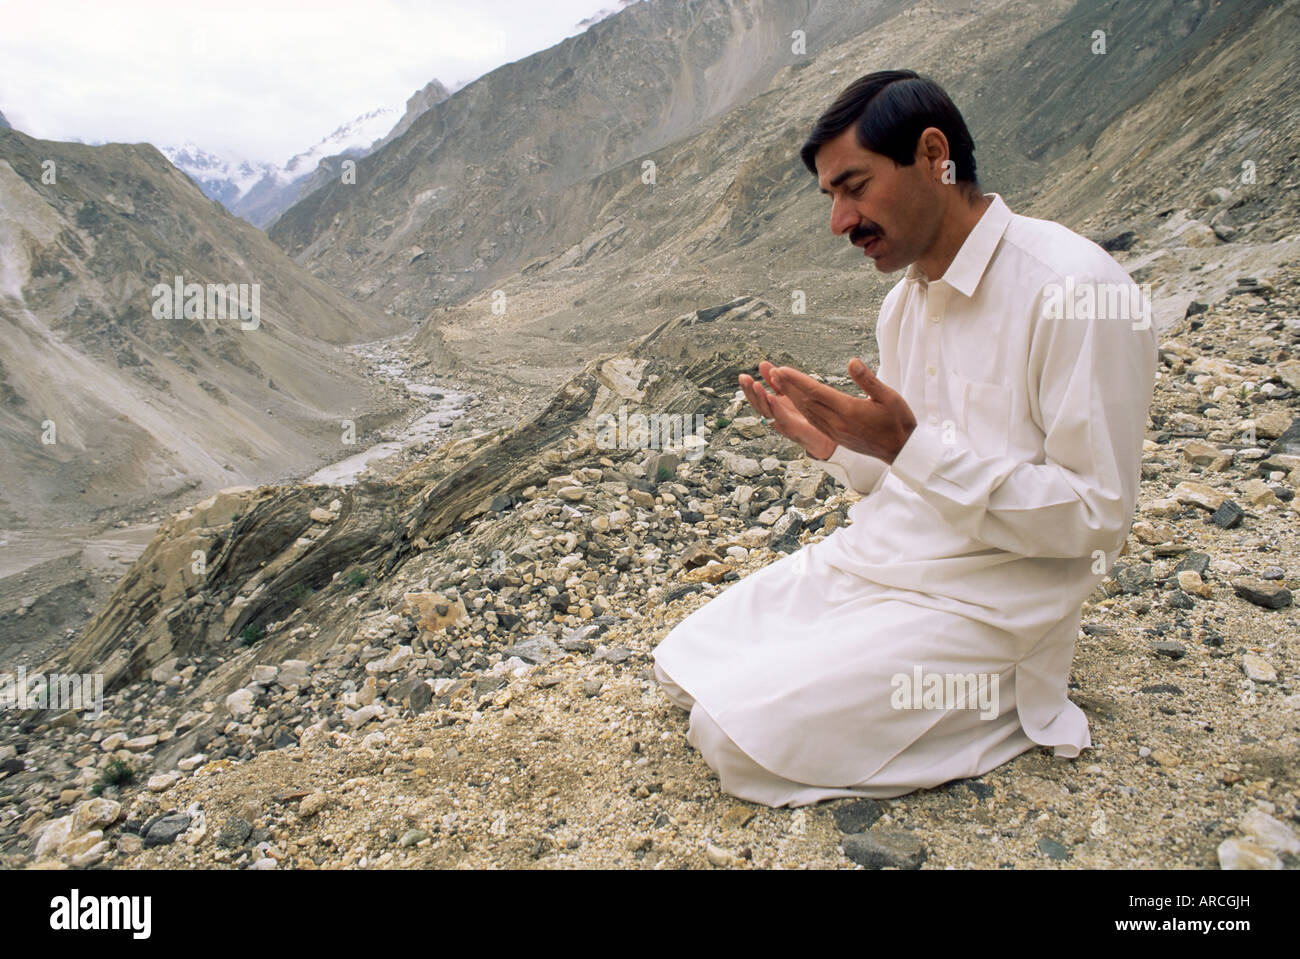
{"x":856,"y":471}
{"x":835,"y":466}
{"x":920,"y":456}
{"x":839,"y":457}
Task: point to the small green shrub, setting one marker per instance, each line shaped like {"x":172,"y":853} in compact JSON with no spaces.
{"x":357,"y":577}
{"x":664,"y":474}
{"x":116,"y":773}
{"x":299,"y":592}
{"x":721,"y":422}
{"x":251,"y":634}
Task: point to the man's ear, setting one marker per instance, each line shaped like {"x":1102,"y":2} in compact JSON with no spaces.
{"x":933,"y":149}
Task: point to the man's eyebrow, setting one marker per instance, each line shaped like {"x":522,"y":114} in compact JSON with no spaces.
{"x":842,"y":177}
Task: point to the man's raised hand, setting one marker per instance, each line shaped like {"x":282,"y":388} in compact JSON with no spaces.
{"x":784,"y":415}
{"x":877,"y":424}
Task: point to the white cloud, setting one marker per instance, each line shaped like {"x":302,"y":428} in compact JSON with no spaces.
{"x":260,"y":79}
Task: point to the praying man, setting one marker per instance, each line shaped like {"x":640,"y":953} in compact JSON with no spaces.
{"x":997,"y":450}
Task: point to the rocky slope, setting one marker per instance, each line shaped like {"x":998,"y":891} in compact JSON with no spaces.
{"x":107,"y":404}
{"x":403,"y":676}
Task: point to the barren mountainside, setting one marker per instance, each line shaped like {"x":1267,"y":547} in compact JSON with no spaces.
{"x":143,"y":407}
{"x":546,"y":198}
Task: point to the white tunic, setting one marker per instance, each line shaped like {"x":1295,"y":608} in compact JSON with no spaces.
{"x":973,"y":552}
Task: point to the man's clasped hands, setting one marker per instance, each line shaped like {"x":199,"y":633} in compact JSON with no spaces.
{"x":819,"y":417}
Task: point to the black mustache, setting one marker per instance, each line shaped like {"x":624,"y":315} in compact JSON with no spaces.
{"x":860,"y":235}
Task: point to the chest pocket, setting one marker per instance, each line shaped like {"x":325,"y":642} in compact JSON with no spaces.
{"x":984,"y":415}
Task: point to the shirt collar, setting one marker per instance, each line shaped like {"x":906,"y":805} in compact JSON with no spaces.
{"x":968,"y":266}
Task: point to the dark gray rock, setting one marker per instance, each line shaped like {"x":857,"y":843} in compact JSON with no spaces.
{"x":1053,"y":849}
{"x":1163,"y":688}
{"x":1228,"y":515}
{"x":884,"y":846}
{"x":1261,"y":593}
{"x":785,"y":532}
{"x":1135,"y":578}
{"x":1194,"y":562}
{"x":164,"y":829}
{"x":858,"y":816}
{"x":234,"y":833}
{"x":419,"y":697}
{"x":1120,"y":242}
{"x":1288,"y":443}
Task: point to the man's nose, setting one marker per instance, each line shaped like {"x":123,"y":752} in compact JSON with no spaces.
{"x":843,"y":217}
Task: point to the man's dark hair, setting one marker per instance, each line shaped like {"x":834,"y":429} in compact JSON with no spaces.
{"x":889,"y":110}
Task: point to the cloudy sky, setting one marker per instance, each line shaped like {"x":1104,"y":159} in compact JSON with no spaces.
{"x":257,"y":79}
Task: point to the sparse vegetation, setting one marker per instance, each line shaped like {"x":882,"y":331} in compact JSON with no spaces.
{"x":299,"y":592}
{"x":721,"y":422}
{"x":116,"y":773}
{"x":663,"y":475}
{"x":357,"y":577}
{"x":251,"y":634}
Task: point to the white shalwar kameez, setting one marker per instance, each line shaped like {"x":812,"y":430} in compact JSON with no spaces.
{"x":971,"y":554}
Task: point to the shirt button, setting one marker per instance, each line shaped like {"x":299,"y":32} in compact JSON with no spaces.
{"x":934,"y":318}
{"x":930,"y":371}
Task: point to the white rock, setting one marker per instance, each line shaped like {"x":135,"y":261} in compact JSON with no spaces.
{"x":1244,"y":854}
{"x":190,"y":763}
{"x":1258,"y":669}
{"x":53,"y":835}
{"x":1270,"y":832}
{"x":740,"y":465}
{"x":90,"y":856}
{"x":95,"y":813}
{"x":294,"y":672}
{"x":162,"y":782}
{"x":240,"y":703}
{"x":363,"y":715}
{"x":164,"y":670}
{"x":264,"y":675}
{"x":395,"y":660}
{"x":720,"y":857}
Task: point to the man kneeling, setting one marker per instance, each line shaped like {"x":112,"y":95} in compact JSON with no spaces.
{"x":997,"y":449}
